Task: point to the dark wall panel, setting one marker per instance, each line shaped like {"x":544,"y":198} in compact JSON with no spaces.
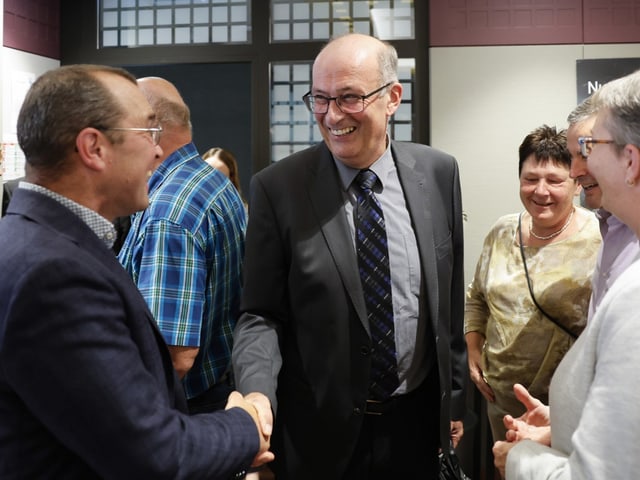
{"x":219,"y":97}
{"x":503,"y":22}
{"x":611,"y":22}
{"x":33,"y":26}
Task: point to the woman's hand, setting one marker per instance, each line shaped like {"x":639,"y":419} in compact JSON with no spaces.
{"x":475,"y":343}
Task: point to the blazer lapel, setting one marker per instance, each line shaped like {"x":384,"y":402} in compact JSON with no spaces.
{"x":327,"y":202}
{"x":416,"y":191}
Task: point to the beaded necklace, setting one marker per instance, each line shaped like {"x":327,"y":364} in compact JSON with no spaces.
{"x":554,"y":234}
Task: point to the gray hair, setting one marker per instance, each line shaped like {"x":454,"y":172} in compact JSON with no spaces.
{"x":582,"y":112}
{"x":619,"y":101}
{"x":388,"y":61}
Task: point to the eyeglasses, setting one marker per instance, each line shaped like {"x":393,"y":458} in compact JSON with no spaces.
{"x":586,"y":144}
{"x":155,"y":132}
{"x":348,"y":103}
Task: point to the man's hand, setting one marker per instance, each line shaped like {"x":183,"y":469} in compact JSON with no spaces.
{"x":456,"y":432}
{"x":258,"y":406}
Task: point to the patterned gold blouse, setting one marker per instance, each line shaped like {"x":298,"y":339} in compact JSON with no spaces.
{"x":522,"y":345}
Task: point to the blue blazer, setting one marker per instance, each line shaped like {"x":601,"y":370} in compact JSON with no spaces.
{"x":304,"y":325}
{"x":87,"y":387}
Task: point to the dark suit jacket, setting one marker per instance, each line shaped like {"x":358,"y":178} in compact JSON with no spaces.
{"x":7,"y":191}
{"x":87,"y":388}
{"x":303,"y":304}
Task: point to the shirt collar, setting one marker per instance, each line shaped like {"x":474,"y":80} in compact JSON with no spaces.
{"x":102,"y":227}
{"x":381,"y":167}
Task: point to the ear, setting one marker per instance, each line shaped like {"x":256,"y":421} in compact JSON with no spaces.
{"x":395,"y":96}
{"x":631,"y":155}
{"x":92,"y":147}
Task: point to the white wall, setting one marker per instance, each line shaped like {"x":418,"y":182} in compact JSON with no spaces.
{"x":19,"y":70}
{"x":1,"y":83}
{"x":484,"y":100}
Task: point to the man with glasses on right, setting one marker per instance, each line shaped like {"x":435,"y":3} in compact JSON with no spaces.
{"x":352,"y":308}
{"x":619,"y":244}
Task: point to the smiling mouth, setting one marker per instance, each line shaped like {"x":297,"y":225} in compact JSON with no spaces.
{"x":589,"y":186}
{"x":342,"y":131}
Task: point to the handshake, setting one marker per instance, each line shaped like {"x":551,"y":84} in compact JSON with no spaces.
{"x":259,"y":407}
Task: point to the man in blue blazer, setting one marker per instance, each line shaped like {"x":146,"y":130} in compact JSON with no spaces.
{"x":87,"y":388}
{"x":304,"y":335}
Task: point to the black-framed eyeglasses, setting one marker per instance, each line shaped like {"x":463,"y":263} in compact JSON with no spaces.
{"x":154,"y":132}
{"x":586,"y":144}
{"x":347,"y":103}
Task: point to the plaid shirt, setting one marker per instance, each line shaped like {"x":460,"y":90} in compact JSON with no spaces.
{"x":185,"y":252}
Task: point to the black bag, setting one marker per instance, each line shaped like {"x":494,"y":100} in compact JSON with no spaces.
{"x":450,"y":468}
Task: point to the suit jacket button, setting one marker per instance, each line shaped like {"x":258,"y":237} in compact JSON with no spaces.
{"x":365,"y":350}
{"x":357,"y":411}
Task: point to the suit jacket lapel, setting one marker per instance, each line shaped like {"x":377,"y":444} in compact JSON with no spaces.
{"x":416,"y":191}
{"x":328,"y":204}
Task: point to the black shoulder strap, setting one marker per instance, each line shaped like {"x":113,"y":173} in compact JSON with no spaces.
{"x":526,"y":272}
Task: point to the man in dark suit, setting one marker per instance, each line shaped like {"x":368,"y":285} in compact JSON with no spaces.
{"x":304,"y":337}
{"x":87,"y":388}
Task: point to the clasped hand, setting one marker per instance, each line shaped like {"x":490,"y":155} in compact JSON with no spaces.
{"x":534,"y":425}
{"x":259,"y":407}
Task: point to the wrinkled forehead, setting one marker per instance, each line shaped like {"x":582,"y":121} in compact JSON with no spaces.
{"x":341,"y":64}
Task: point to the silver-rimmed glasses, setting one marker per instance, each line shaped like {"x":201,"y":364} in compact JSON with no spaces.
{"x":347,"y":103}
{"x":586,"y":144}
{"x":155,"y":132}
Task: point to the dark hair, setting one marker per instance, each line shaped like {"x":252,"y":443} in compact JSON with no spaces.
{"x":61,"y":103}
{"x":546,"y":144}
{"x":229,"y":160}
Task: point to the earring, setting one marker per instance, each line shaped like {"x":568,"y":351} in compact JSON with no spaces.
{"x":631,"y":183}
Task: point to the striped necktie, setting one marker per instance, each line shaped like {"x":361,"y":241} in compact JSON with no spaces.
{"x":373,"y":264}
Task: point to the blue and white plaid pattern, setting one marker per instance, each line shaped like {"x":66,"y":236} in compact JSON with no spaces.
{"x":185,"y":254}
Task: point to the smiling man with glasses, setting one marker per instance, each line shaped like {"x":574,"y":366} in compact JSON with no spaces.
{"x":87,"y":388}
{"x":360,"y":349}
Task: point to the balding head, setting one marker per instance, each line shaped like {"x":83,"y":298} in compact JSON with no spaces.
{"x":172,"y":112}
{"x":356,"y":51}
{"x":158,"y":88}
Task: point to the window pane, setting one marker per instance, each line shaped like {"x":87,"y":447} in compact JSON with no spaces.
{"x":180,"y":22}
{"x":296,"y":20}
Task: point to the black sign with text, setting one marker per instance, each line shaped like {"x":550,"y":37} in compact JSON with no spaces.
{"x":591,"y":74}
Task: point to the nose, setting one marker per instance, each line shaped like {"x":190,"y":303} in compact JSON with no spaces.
{"x":541,"y":188}
{"x":578,"y":166}
{"x":334,"y":111}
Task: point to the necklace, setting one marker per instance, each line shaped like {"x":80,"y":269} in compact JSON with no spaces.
{"x":554,"y":234}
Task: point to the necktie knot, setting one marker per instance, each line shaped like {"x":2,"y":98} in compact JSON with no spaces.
{"x":366,"y":179}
